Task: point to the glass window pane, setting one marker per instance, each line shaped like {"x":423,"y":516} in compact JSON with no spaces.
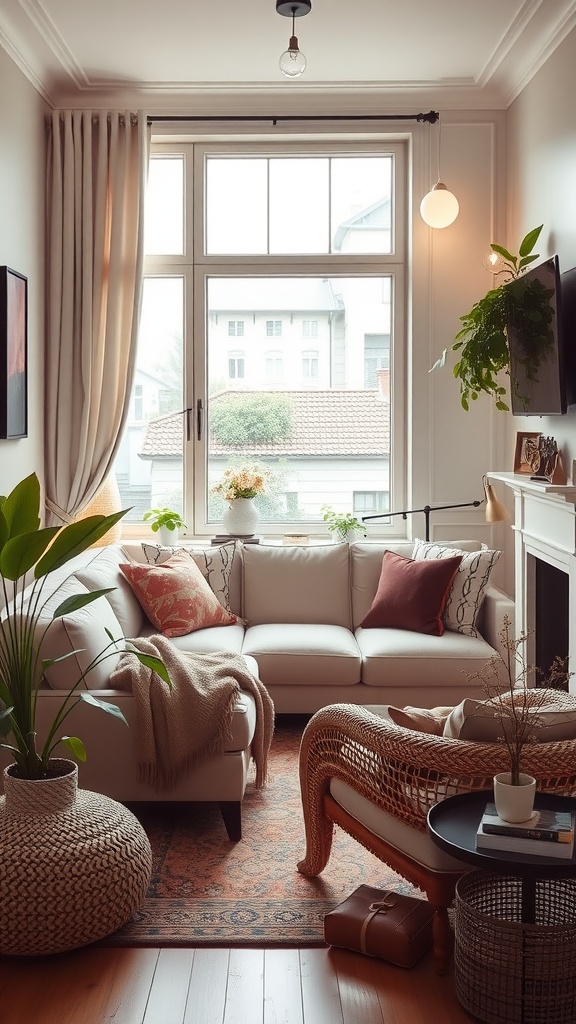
{"x":299,"y":205}
{"x":149,"y":462}
{"x":164,"y":217}
{"x":306,"y":415}
{"x":236,"y":206}
{"x":361,"y":204}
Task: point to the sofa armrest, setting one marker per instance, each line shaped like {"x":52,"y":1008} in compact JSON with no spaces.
{"x":495,"y":606}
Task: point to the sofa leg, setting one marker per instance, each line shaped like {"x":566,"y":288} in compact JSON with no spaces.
{"x":231,"y":811}
{"x":443,"y":940}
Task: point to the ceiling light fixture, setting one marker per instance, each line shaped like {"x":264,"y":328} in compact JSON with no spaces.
{"x":293,"y":62}
{"x":439,"y":207}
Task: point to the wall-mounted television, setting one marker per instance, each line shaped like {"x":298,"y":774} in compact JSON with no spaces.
{"x":540,"y":327}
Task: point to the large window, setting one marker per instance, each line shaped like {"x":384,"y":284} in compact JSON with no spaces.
{"x":228,"y":257}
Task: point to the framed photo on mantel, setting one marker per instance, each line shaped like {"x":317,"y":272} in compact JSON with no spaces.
{"x":13,"y":354}
{"x":527,"y":453}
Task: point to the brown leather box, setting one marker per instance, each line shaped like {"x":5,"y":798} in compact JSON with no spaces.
{"x":381,"y":923}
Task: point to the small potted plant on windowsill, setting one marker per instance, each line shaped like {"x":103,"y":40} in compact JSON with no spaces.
{"x":164,"y":521}
{"x":342,"y":525}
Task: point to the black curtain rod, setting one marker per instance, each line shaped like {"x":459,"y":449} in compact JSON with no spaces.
{"x":431,"y":117}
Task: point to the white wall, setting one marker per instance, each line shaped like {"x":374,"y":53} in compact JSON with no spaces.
{"x":541,"y":184}
{"x":22,"y":177}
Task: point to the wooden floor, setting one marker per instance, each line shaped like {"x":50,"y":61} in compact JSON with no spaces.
{"x":222,"y":986}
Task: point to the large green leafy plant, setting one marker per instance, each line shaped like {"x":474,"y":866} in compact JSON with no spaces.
{"x":27,"y":549}
{"x":482,"y":342}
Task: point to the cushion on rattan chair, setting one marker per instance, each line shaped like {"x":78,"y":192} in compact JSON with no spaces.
{"x":404,"y":838}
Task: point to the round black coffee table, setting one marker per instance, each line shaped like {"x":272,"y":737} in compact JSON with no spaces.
{"x":515,"y":949}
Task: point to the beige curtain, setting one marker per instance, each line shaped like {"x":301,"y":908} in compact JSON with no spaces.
{"x":97,"y":167}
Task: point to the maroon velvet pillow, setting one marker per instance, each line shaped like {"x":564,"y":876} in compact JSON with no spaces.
{"x":409,"y":596}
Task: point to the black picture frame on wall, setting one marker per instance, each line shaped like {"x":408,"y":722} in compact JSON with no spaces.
{"x":13,"y":354}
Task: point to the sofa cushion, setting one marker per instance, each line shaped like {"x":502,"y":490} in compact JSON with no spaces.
{"x":297,"y":584}
{"x":411,"y":594}
{"x":78,"y":639}
{"x":304,"y":654}
{"x":216,"y":640}
{"x":422,"y":661}
{"x":104,"y":571}
{"x":408,"y":840}
{"x":215,"y":564}
{"x":476,"y":720}
{"x":468,"y":587}
{"x":175,"y":595}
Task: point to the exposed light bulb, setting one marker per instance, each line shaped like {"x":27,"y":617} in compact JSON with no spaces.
{"x":292,"y":62}
{"x":439,"y":208}
{"x":494,"y":264}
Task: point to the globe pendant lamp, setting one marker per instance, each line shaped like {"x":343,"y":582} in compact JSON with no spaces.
{"x":293,"y":62}
{"x":439,"y":207}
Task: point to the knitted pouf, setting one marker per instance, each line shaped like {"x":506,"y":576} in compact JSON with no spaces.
{"x":74,"y":865}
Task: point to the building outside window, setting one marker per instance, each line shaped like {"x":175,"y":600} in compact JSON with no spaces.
{"x":240,"y":270}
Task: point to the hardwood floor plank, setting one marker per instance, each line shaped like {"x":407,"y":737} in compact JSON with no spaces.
{"x":282,"y":987}
{"x":320,"y":992}
{"x":89,"y":985}
{"x":356,"y":973}
{"x":169,"y":994}
{"x":208,"y":987}
{"x":245,"y":993}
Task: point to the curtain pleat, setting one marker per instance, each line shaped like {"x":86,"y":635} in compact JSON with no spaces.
{"x":97,"y":170}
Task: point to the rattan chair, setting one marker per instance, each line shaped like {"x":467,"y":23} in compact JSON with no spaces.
{"x":377,"y":781}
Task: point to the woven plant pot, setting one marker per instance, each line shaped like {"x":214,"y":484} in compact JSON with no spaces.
{"x":74,"y":865}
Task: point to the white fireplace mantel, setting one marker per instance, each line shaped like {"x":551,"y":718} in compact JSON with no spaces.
{"x":545,"y":528}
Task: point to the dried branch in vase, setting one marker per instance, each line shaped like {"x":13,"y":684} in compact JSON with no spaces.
{"x":517,"y":705}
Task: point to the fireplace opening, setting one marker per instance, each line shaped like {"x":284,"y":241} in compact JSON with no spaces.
{"x":551,"y":617}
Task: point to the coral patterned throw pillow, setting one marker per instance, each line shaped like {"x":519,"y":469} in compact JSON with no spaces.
{"x":175,"y":596}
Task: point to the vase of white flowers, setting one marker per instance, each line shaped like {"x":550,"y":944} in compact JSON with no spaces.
{"x":239,"y":486}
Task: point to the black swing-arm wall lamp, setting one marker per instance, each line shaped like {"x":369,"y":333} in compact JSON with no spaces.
{"x":495,"y":511}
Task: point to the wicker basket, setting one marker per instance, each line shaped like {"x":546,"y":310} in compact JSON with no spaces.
{"x":507,"y":971}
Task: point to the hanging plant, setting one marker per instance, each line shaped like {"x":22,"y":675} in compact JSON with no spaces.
{"x":482,"y":342}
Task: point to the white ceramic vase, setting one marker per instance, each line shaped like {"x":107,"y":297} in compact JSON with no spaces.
{"x":167,"y":537}
{"x":514,"y":803}
{"x":241,"y":518}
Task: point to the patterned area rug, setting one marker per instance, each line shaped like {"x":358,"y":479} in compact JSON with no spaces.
{"x":208,"y":891}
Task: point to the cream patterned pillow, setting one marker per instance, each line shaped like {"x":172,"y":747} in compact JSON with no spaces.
{"x":215,"y":564}
{"x":467,"y":591}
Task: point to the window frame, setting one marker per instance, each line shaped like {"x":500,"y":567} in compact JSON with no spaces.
{"x":196,"y":266}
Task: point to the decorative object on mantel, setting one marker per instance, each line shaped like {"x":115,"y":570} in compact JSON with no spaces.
{"x":519,"y":709}
{"x":76,"y":865}
{"x":538,"y":456}
{"x":482,"y":342}
{"x":239,"y":486}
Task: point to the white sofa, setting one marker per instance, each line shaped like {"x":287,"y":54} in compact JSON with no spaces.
{"x":300,"y":610}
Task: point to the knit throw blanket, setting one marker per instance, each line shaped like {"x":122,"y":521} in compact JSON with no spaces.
{"x":189,"y":723}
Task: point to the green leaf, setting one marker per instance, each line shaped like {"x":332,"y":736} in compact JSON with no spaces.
{"x":76,"y":601}
{"x":20,"y":553}
{"x":76,"y":746}
{"x":504,"y":253}
{"x":21,"y":508}
{"x":529,"y":241}
{"x":74,"y":539}
{"x":155,"y":664}
{"x":110,"y":709}
{"x":527,"y":260}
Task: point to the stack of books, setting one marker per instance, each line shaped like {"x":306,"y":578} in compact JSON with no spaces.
{"x":545,"y":834}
